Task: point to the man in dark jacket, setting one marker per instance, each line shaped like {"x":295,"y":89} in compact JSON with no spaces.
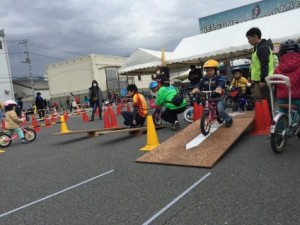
{"x":261,"y":62}
{"x":39,"y":102}
{"x":96,"y":97}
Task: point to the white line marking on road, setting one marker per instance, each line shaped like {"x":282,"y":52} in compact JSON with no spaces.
{"x":57,"y":193}
{"x":200,"y":138}
{"x":175,"y":200}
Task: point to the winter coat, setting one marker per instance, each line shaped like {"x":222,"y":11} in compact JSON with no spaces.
{"x":165,"y":95}
{"x":12,"y":121}
{"x":211,"y":84}
{"x":95,"y":95}
{"x":289,"y":65}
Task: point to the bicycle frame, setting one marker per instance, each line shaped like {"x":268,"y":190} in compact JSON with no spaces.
{"x":210,"y":106}
{"x":284,"y":125}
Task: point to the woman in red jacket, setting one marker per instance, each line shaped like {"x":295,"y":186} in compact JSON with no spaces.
{"x":289,"y":65}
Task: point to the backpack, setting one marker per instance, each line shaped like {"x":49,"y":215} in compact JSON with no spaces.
{"x":177,"y":99}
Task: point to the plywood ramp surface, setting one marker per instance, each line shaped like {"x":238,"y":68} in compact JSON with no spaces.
{"x":207,"y":153}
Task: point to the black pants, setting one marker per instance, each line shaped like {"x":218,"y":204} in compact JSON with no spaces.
{"x":170,"y":115}
{"x":128,"y":117}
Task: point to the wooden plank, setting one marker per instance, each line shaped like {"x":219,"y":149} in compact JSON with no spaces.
{"x":206,"y":154}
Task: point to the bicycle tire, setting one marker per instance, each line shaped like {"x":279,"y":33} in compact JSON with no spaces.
{"x":157,"y":118}
{"x":279,"y":137}
{"x":5,"y":140}
{"x":204,"y":123}
{"x":30,"y":135}
{"x":188,"y":114}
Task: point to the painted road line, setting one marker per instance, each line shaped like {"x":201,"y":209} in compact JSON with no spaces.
{"x":175,"y":200}
{"x":57,"y":193}
{"x":200,"y":138}
{"x":1,"y":151}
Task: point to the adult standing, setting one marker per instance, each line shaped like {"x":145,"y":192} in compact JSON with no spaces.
{"x":195,"y":75}
{"x":96,"y":97}
{"x":71,"y":99}
{"x":261,"y":62}
{"x":39,"y":102}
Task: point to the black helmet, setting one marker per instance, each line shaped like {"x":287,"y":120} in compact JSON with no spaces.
{"x":289,"y":46}
{"x":236,"y":69}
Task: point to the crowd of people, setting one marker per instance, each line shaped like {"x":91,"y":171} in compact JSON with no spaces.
{"x":263,"y":63}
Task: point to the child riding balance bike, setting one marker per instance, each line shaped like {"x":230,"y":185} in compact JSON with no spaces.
{"x":213,"y":83}
{"x":14,"y":127}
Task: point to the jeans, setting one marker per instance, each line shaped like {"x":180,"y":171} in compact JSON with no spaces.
{"x":128,"y":118}
{"x":95,"y":105}
{"x":221,"y":110}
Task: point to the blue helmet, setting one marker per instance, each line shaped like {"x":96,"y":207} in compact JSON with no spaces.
{"x":153,"y":84}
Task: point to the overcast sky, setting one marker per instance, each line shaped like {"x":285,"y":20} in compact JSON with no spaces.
{"x":58,"y":30}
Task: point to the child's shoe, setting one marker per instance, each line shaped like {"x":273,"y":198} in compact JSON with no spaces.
{"x":24,"y":141}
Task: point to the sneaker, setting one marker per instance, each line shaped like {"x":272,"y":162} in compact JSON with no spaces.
{"x":229,"y":123}
{"x":24,"y":141}
{"x":176,"y":125}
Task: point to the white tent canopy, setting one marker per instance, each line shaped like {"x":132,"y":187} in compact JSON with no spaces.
{"x":231,"y":42}
{"x":224,"y":44}
{"x":142,"y":61}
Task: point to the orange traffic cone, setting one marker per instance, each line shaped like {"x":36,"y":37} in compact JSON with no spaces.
{"x":35,"y":124}
{"x":114,"y":123}
{"x":196,"y":112}
{"x":84,"y":116}
{"x":66,"y":116}
{"x":152,"y":140}
{"x":200,"y":110}
{"x":119,"y":109}
{"x":259,"y":120}
{"x":106,"y":119}
{"x":266,"y":113}
{"x":47,"y":122}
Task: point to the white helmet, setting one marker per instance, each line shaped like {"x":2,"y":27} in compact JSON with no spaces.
{"x":10,"y":102}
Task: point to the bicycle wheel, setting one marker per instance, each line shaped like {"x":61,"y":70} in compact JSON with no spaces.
{"x":5,"y":140}
{"x":204,"y":123}
{"x":188,"y":114}
{"x":157,"y":118}
{"x":279,"y":137}
{"x":29,"y":134}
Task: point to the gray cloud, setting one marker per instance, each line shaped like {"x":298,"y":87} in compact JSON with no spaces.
{"x":114,"y":27}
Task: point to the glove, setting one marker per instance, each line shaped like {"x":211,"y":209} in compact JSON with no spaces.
{"x":248,"y":84}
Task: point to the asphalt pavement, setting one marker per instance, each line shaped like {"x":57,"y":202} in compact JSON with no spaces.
{"x":79,"y":180}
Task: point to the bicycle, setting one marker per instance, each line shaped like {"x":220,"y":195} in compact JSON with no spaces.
{"x":239,"y":102}
{"x":7,"y":137}
{"x":188,"y":114}
{"x":210,"y":112}
{"x":285,"y":124}
{"x":156,"y":115}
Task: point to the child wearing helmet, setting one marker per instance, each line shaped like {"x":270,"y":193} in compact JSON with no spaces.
{"x":289,"y":65}
{"x":12,"y":121}
{"x":165,"y":95}
{"x":213,"y":82}
{"x":238,"y":80}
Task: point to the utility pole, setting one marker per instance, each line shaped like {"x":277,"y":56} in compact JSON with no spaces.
{"x":28,"y":60}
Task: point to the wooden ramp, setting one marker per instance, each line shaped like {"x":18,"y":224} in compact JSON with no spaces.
{"x":173,"y":151}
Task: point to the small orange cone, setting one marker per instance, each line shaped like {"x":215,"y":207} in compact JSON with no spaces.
{"x":266,"y":113}
{"x":66,"y":116}
{"x":196,"y":112}
{"x":259,"y":120}
{"x":35,"y":124}
{"x":119,"y":109}
{"x":84,"y":116}
{"x":152,"y":140}
{"x":47,"y":122}
{"x":114,"y":123}
{"x":200,"y":110}
{"x":106,"y":119}
{"x":63,"y":126}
